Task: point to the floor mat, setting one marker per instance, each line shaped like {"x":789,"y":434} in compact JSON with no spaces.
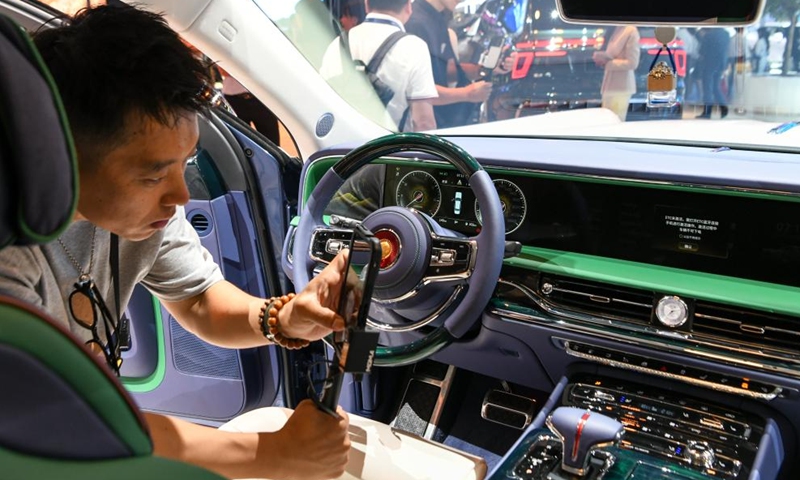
{"x":468,"y":431}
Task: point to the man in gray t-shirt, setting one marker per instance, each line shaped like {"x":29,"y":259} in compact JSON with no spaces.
{"x":171,"y":263}
{"x":132,"y":106}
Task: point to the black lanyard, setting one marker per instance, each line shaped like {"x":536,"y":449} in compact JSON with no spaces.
{"x":123,"y":326}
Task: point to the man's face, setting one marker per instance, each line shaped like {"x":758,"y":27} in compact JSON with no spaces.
{"x":135,"y":188}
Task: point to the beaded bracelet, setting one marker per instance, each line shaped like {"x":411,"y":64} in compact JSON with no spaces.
{"x":268,"y":320}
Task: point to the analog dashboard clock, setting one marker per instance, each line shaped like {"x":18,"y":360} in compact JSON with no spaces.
{"x":671,"y":311}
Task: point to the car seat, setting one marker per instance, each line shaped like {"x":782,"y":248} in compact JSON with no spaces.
{"x":62,"y":414}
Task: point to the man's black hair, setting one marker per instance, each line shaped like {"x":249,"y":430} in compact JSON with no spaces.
{"x":115,"y":63}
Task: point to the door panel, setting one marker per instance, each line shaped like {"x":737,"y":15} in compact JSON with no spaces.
{"x":233,"y":185}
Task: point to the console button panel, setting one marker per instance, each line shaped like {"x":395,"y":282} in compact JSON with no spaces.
{"x":709,"y":438}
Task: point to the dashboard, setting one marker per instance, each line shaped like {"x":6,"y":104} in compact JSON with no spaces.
{"x":732,"y":234}
{"x":673,"y":272}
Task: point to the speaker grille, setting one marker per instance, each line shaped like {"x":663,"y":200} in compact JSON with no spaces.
{"x":201,"y":223}
{"x":193,"y":356}
{"x":324,"y":124}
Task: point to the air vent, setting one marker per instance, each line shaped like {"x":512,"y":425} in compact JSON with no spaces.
{"x":201,"y":223}
{"x":598,"y":299}
{"x":743,"y":326}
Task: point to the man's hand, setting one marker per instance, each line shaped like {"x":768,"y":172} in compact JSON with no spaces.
{"x":600,"y":58}
{"x":478,"y":91}
{"x":312,"y":314}
{"x":313,"y":444}
{"x":507,"y":64}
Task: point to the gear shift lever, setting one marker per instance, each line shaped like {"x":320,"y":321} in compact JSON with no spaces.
{"x":581,"y":431}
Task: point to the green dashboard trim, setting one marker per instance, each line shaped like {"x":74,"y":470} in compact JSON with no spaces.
{"x":705,"y":286}
{"x":152,"y":381}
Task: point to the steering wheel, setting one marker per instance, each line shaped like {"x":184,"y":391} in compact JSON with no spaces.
{"x":448,"y":276}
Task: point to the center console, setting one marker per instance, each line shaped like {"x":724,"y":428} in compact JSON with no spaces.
{"x":663,"y":434}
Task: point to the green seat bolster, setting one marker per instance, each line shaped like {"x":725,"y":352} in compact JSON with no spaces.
{"x":16,"y":466}
{"x":26,"y":329}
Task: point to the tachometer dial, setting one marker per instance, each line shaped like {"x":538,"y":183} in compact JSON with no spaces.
{"x":513,"y":202}
{"x":419,"y":190}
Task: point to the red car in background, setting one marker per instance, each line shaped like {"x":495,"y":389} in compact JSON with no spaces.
{"x":554,"y":69}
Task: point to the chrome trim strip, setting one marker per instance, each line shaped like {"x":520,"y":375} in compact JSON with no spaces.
{"x":714,"y":317}
{"x":635,"y":304}
{"x":779,"y":330}
{"x":747,"y":327}
{"x":594,"y":322}
{"x":419,"y":323}
{"x":602,"y":298}
{"x":671,"y":376}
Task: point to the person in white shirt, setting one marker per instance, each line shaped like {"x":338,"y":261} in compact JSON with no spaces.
{"x":619,"y":59}
{"x":761,"y":51}
{"x":406,"y":68}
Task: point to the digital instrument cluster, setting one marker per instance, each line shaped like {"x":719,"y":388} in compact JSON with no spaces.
{"x":445,"y":195}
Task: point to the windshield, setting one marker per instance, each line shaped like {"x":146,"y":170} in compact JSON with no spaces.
{"x":513,"y":67}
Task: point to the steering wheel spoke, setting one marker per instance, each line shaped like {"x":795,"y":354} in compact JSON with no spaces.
{"x":327,"y":242}
{"x":452,"y":259}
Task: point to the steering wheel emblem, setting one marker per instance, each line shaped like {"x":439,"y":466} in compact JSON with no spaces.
{"x":390,"y":247}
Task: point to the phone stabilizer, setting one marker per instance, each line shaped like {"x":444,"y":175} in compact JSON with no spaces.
{"x":354,"y":348}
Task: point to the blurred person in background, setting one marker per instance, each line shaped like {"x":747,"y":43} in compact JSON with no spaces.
{"x":761,"y":52}
{"x":352,"y":13}
{"x":619,"y":60}
{"x":714,"y":47}
{"x":406,"y":67}
{"x":456,"y":105}
{"x":691,"y":47}
{"x":250,"y":109}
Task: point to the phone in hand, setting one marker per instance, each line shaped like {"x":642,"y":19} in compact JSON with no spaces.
{"x":361,"y":270}
{"x":490,"y":58}
{"x":354,"y":347}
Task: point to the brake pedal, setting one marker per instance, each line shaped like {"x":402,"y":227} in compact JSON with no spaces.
{"x":508,"y":409}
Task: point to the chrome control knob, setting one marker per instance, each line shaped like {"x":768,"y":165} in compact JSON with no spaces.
{"x":700,"y":454}
{"x":580,"y":432}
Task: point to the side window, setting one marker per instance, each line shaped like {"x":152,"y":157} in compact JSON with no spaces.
{"x":249,"y":109}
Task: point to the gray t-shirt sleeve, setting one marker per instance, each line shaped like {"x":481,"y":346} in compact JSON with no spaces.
{"x":20,"y":274}
{"x":183,"y":267}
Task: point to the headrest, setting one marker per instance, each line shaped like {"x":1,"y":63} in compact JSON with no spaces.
{"x":38,"y":169}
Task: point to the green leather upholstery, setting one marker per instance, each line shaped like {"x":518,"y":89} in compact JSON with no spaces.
{"x":62,"y":413}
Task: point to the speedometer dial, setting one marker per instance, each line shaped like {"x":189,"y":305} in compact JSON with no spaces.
{"x":419,"y":190}
{"x":513,"y":202}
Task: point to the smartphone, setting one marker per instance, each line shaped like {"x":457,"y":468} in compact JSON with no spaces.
{"x":363,"y":262}
{"x":490,"y":59}
{"x":354,"y":347}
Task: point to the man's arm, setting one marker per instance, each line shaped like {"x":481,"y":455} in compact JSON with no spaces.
{"x":421,"y":113}
{"x":312,"y":444}
{"x":474,"y":92}
{"x":226,"y":316}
